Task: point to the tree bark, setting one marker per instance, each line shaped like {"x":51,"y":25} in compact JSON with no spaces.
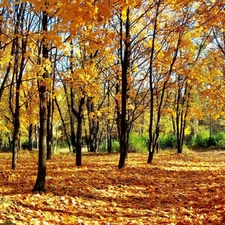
{"x":151,"y":146}
{"x":182,"y":110}
{"x":79,"y":116}
{"x":50,"y":110}
{"x":93,"y":127}
{"x":41,"y":176}
{"x":125,"y":64}
{"x":63,"y":123}
{"x":18,"y":73}
{"x":30,"y":137}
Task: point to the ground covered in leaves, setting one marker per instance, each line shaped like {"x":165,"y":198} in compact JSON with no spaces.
{"x":174,"y":189}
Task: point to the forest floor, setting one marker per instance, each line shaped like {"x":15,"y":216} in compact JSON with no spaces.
{"x":175,"y":189}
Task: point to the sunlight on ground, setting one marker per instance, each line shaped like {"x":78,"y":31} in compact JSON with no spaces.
{"x":174,"y":189}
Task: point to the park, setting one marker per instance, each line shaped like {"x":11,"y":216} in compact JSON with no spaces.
{"x":139,"y":85}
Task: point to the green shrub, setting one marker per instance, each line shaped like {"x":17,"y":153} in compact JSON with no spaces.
{"x":221,"y":144}
{"x":103,"y":146}
{"x":63,"y":144}
{"x":25,"y":145}
{"x":219,"y":136}
{"x":115,"y":145}
{"x":201,"y":140}
{"x":167,"y":141}
{"x":138,"y":142}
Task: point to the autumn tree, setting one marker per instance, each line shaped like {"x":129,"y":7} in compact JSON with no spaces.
{"x":42,"y":154}
{"x":130,"y":60}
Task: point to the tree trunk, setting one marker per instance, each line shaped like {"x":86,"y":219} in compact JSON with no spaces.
{"x":108,"y":128}
{"x":30,"y":137}
{"x":125,"y":64}
{"x":109,"y":138}
{"x":36,"y":128}
{"x":150,"y":157}
{"x":63,"y":123}
{"x":78,"y":142}
{"x":16,"y":122}
{"x":73,"y":135}
{"x":182,"y":110}
{"x":72,"y":114}
{"x":49,"y":127}
{"x":18,"y":72}
{"x":79,"y":116}
{"x":93,"y":127}
{"x":124,"y":146}
{"x":15,"y":141}
{"x":151,"y":148}
{"x":41,"y":176}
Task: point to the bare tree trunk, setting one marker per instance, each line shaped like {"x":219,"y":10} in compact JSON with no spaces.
{"x":151,"y":148}
{"x":30,"y":137}
{"x":50,"y":109}
{"x":18,"y":73}
{"x":79,"y":116}
{"x":41,"y":176}
{"x":182,"y":109}
{"x":63,"y":123}
{"x":125,"y":64}
{"x":93,"y":127}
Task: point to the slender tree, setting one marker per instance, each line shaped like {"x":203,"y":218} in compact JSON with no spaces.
{"x":42,"y":154}
{"x":18,"y":71}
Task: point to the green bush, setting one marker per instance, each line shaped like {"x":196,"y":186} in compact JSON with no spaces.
{"x":167,"y":141}
{"x":219,"y":136}
{"x":63,"y":144}
{"x":138,"y":142}
{"x":25,"y":145}
{"x":115,"y":145}
{"x":201,"y":140}
{"x":221,"y":144}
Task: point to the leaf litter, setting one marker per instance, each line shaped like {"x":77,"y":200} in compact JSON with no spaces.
{"x":174,"y":189}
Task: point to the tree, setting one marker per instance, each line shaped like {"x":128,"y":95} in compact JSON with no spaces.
{"x":42,"y":153}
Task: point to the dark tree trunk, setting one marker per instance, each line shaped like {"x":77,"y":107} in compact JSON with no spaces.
{"x":30,"y":137}
{"x":108,"y":128}
{"x":41,"y":176}
{"x":124,"y":146}
{"x":78,"y":142}
{"x":150,"y":157}
{"x":15,"y":141}
{"x":49,"y":127}
{"x":63,"y":123}
{"x":93,"y":127}
{"x":36,"y":129}
{"x":79,"y":116}
{"x":73,"y":134}
{"x":18,"y":73}
{"x":182,"y":110}
{"x":151,"y":146}
{"x":154,"y":134}
{"x":125,"y":64}
{"x":118,"y":113}
{"x":16,"y":124}
{"x":109,"y":139}
{"x":50,"y":112}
